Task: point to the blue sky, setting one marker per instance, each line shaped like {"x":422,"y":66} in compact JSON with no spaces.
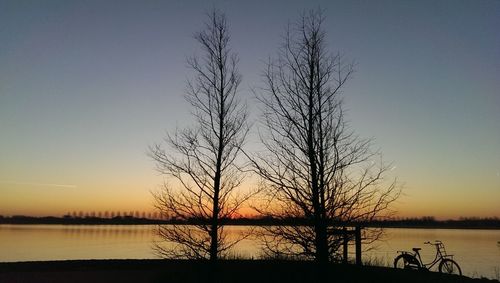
{"x":86,"y":86}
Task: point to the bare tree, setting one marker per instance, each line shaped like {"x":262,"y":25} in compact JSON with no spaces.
{"x":314,"y":167}
{"x":201,"y":162}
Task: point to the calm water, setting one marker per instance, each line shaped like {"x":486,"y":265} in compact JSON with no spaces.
{"x":477,"y":251}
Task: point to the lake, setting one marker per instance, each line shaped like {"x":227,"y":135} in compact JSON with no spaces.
{"x":476,"y":251}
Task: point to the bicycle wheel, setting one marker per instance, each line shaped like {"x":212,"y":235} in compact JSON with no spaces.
{"x":449,"y":266}
{"x":406,"y":261}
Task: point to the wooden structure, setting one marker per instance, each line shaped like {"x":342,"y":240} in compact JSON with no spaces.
{"x":347,"y":235}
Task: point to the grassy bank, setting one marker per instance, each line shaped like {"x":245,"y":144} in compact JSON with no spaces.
{"x":199,"y":271}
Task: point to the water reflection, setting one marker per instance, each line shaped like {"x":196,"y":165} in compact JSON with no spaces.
{"x":477,"y":251}
{"x":53,"y":242}
{"x":103,"y":231}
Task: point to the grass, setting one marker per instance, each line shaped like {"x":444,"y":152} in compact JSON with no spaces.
{"x":496,"y":272}
{"x":289,"y":271}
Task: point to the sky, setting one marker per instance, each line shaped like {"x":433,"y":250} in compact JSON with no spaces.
{"x":87,"y":86}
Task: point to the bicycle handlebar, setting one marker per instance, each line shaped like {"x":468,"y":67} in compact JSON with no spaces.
{"x":436,"y":242}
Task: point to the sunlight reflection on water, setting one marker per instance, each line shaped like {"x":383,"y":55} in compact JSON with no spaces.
{"x":477,"y":251}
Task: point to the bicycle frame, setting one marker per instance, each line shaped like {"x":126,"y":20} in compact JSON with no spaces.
{"x":409,"y":260}
{"x":440,"y":255}
{"x":437,"y":258}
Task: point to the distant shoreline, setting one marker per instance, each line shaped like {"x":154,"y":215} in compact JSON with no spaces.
{"x":489,"y":224}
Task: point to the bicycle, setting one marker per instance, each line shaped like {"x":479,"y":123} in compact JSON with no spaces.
{"x":408,"y":260}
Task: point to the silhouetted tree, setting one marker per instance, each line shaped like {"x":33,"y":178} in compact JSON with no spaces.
{"x":315,"y":168}
{"x":201,"y":161}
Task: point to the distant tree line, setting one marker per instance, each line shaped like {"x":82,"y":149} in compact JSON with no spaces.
{"x":431,"y":222}
{"x":406,"y":222}
{"x":113,"y":214}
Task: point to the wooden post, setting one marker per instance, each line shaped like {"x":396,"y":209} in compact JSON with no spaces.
{"x":346,"y":240}
{"x":357,"y":232}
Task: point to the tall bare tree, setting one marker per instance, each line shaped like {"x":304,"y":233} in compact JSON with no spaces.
{"x":201,"y":162}
{"x":315,"y":168}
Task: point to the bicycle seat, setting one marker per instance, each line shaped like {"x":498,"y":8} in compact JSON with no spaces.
{"x":416,"y":249}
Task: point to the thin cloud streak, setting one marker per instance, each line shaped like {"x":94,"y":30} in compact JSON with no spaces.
{"x":40,"y":184}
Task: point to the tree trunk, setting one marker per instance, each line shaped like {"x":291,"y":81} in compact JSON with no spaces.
{"x":215,"y":210}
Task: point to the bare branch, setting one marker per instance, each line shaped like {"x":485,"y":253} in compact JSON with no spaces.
{"x":315,"y":168}
{"x":200,"y":163}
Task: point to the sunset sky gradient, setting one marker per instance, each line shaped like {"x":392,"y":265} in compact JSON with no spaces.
{"x":87,"y":86}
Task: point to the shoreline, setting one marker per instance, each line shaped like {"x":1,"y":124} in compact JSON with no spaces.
{"x":126,"y":223}
{"x":162,"y":270}
{"x":492,"y":223}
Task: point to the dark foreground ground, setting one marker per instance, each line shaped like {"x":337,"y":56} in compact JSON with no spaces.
{"x":255,"y":271}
